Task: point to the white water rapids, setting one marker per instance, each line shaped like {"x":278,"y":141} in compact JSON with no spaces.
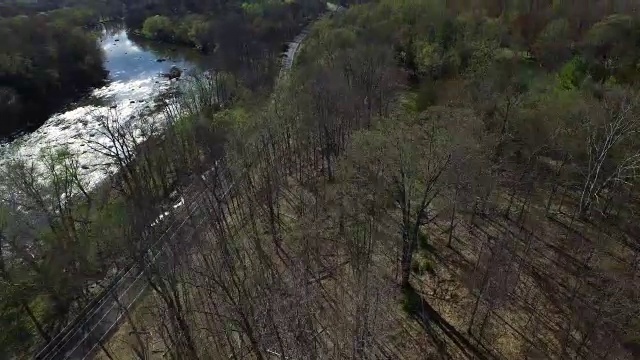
{"x":134,"y":82}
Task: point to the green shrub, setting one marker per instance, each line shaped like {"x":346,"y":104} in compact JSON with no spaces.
{"x":416,"y":268}
{"x":573,"y":73}
{"x":423,"y":240}
{"x":422,"y":266}
{"x":158,"y":27}
{"x":427,"y":266}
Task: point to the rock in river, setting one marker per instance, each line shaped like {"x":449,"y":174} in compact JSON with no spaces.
{"x":174,"y":73}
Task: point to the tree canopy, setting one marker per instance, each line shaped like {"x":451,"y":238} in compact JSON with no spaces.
{"x":45,"y":60}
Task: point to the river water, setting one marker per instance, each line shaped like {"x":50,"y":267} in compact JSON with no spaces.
{"x":135,"y":80}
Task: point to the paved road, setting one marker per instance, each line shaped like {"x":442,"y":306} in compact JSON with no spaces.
{"x":104,"y":321}
{"x":292,"y":51}
{"x":102,"y":317}
{"x":81,"y":338}
{"x":294,"y":45}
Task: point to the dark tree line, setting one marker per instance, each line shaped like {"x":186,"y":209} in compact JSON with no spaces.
{"x":45,"y":61}
{"x":246,"y":38}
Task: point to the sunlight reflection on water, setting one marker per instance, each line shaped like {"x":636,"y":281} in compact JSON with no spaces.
{"x":134,"y":82}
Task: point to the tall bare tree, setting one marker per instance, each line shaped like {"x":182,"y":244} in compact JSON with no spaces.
{"x":611,"y":148}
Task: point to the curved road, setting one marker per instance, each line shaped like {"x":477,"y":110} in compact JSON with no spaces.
{"x":292,"y":51}
{"x":294,"y":45}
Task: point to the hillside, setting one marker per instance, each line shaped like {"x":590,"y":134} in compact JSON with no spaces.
{"x":427,"y":182}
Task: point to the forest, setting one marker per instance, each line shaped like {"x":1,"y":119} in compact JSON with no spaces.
{"x":46,"y":60}
{"x":244,"y":38}
{"x":433,"y":179}
{"x":10,"y":8}
{"x":35,"y":84}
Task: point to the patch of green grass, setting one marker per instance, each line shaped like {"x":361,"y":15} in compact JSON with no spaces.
{"x":422,"y":266}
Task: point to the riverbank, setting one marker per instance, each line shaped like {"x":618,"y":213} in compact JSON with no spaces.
{"x":135,"y":83}
{"x":37,"y":83}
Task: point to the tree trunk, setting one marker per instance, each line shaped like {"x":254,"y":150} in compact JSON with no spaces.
{"x":407,"y":257}
{"x":36,"y":322}
{"x":562,"y":198}
{"x":473,"y":313}
{"x":105,"y":351}
{"x":453,"y":215}
{"x":554,"y":190}
{"x":508,"y":209}
{"x":484,"y":321}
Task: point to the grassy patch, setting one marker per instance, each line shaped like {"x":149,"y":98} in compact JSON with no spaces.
{"x":421,"y":266}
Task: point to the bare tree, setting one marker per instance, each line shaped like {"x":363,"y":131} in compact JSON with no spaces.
{"x":612,"y":156}
{"x":16,"y":293}
{"x":408,"y":159}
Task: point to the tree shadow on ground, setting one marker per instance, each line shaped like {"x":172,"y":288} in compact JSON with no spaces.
{"x":431,"y":321}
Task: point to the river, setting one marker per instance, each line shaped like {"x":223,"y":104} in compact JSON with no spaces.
{"x":135,"y":67}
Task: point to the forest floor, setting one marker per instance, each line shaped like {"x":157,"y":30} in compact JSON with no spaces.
{"x":509,"y":280}
{"x":122,"y":343}
{"x":505,"y":285}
